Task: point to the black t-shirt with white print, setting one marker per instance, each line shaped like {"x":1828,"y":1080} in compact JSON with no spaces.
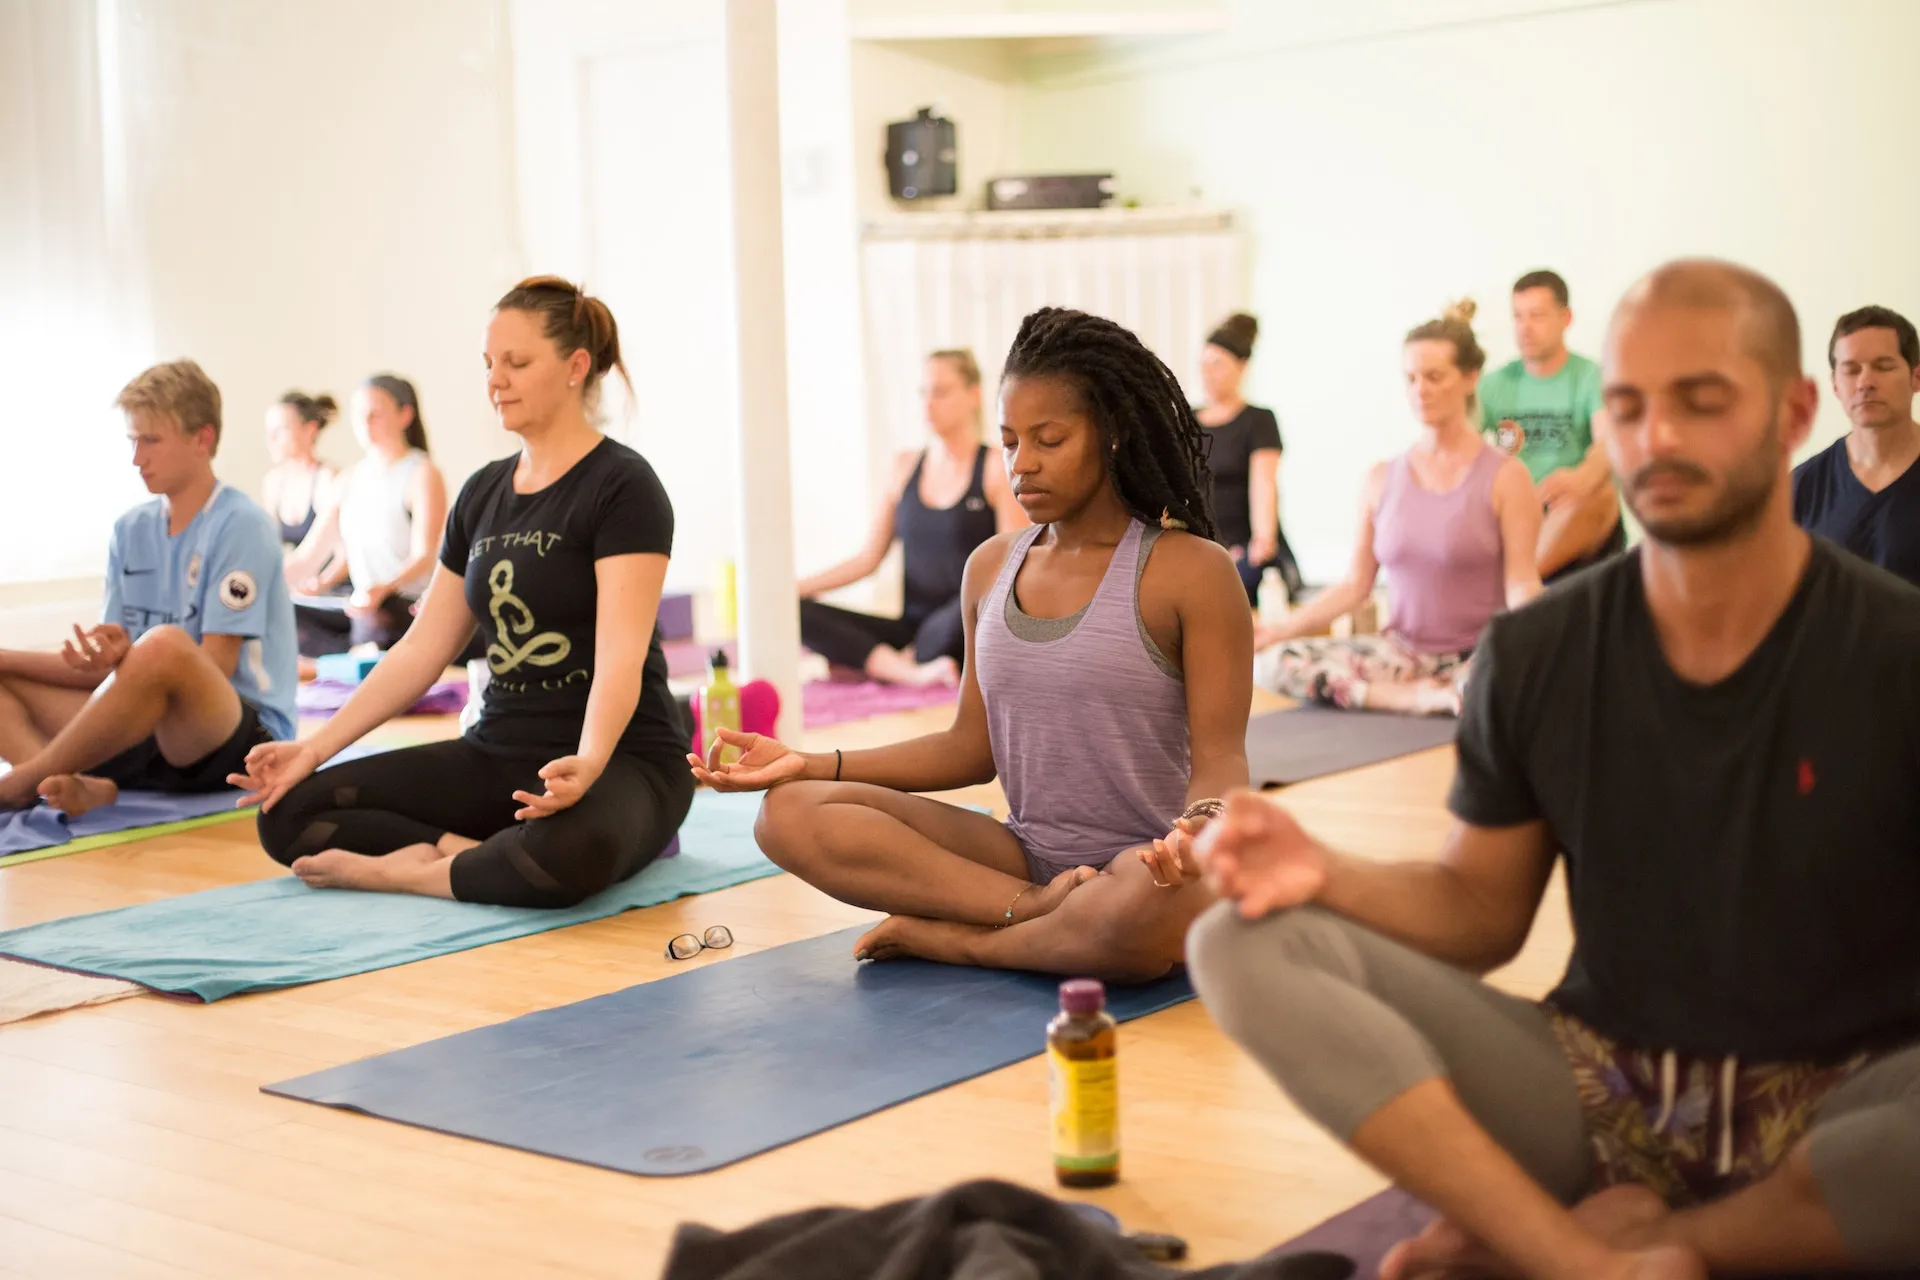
{"x":528,"y":563}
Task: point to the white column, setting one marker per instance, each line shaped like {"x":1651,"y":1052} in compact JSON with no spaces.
{"x":769,"y":617}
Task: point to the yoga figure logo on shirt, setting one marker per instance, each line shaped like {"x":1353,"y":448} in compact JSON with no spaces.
{"x":512,"y":619}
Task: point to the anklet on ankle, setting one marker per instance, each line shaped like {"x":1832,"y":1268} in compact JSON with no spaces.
{"x":1013,"y":904}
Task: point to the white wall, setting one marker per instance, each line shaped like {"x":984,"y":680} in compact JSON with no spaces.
{"x":325,"y":191}
{"x":1382,"y":168}
{"x":310,"y":191}
{"x":833,"y":459}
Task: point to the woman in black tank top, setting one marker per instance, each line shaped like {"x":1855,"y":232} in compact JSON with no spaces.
{"x":294,"y":424}
{"x":924,"y":645}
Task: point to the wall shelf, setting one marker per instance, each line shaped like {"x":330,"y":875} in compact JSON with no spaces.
{"x":1046,"y":224}
{"x":1042,"y":31}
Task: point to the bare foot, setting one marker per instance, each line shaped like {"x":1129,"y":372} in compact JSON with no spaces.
{"x":1442,"y":1250}
{"x":910,"y":937}
{"x":16,"y":791}
{"x":76,"y":793}
{"x":892,"y":666}
{"x":338,"y":869}
{"x":945,"y":940}
{"x":1045,"y":898}
{"x":941,"y":671}
{"x":1670,"y":1262}
{"x":1624,"y":1217}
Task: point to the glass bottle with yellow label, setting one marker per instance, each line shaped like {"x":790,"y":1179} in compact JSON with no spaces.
{"x":1082,"y":1061}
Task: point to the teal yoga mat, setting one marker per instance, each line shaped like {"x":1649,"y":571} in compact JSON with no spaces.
{"x":279,"y":933}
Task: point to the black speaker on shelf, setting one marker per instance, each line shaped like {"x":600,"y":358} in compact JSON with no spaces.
{"x":922,"y":159}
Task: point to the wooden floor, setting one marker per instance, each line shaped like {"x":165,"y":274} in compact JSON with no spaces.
{"x":134,"y":1141}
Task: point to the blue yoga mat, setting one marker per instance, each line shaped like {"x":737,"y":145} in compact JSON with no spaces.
{"x":704,"y":1068}
{"x":279,"y":933}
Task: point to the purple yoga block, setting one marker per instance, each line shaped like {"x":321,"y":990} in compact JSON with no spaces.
{"x":676,"y":616}
{"x":672,"y":849}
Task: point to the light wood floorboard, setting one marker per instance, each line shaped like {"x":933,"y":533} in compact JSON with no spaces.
{"x":134,"y":1140}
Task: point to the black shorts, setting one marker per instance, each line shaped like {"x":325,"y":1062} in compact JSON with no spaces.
{"x":142,"y":768}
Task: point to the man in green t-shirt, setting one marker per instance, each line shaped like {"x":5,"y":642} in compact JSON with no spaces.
{"x":1543,"y":409}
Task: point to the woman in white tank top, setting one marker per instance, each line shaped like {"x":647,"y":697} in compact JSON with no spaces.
{"x":383,"y":530}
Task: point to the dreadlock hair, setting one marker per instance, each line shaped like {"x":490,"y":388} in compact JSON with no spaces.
{"x":1156,"y":449}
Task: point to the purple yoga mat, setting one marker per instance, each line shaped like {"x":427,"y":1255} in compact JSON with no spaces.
{"x":1365,"y":1232}
{"x":830,"y":702}
{"x":1368,"y":1230}
{"x":324,"y":697}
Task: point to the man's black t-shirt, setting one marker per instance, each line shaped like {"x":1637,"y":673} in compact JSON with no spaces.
{"x":1883,"y":527}
{"x":528,"y":561}
{"x":1743,"y":858}
{"x":1230,"y":459}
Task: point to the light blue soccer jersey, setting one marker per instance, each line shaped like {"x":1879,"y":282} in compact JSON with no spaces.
{"x":221,"y":577}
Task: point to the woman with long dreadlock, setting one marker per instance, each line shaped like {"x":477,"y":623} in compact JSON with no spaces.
{"x":1109,"y":655}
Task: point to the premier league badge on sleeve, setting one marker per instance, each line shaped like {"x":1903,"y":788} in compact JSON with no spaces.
{"x":238,"y":590}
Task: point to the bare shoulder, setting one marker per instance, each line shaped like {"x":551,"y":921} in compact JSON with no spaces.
{"x":1513,"y":479}
{"x":984,"y":565}
{"x":1190,"y":567}
{"x":903,"y":464}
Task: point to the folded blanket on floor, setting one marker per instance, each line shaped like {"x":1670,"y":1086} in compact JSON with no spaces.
{"x":28,"y":989}
{"x":279,"y":933}
{"x":975,"y":1229}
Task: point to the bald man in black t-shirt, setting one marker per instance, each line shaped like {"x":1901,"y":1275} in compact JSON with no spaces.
{"x":1720,"y":734}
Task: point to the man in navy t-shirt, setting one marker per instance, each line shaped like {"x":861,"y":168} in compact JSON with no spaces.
{"x":194,"y":662}
{"x":1863,"y":491}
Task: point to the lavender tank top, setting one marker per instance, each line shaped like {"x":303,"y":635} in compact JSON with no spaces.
{"x":1089,"y":729}
{"x":1446,"y":569}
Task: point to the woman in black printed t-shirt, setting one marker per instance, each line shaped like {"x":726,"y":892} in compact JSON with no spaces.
{"x":573,"y":778}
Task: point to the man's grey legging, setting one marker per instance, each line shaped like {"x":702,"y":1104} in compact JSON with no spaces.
{"x":1346,"y":1020}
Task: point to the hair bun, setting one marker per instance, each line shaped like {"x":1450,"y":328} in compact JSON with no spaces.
{"x":1242,"y":325}
{"x":1461,"y":311}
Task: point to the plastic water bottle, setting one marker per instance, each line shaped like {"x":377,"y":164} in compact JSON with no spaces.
{"x":1273,"y":596}
{"x":719,"y":707}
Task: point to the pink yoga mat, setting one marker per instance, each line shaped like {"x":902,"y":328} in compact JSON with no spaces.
{"x":324,"y":697}
{"x":829,"y":702}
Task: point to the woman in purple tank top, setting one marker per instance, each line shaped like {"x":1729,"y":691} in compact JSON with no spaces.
{"x":1109,"y":654}
{"x":1452,"y":521}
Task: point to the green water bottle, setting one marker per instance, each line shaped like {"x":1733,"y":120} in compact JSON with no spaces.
{"x":719,"y":707}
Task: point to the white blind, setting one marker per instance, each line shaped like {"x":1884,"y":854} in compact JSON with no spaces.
{"x":73,"y":318}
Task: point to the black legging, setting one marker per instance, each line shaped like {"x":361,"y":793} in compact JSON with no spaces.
{"x":1250,"y":574}
{"x":324,"y":631}
{"x":418,"y":794}
{"x":847,"y":638}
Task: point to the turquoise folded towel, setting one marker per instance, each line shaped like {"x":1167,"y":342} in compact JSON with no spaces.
{"x":279,"y":933}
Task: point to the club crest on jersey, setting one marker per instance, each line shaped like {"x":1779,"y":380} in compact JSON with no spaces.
{"x":193,"y":571}
{"x":1510,"y":436}
{"x":238,"y":590}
